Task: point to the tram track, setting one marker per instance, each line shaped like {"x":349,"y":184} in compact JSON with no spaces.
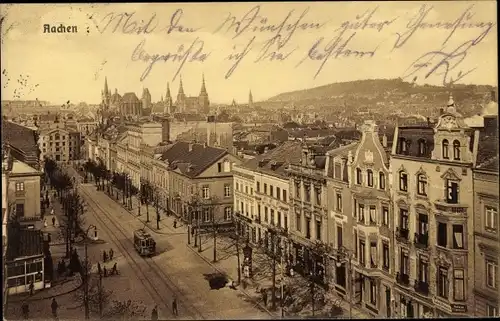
{"x":123,"y":241}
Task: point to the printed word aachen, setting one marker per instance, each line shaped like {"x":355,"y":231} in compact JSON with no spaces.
{"x":59,"y":29}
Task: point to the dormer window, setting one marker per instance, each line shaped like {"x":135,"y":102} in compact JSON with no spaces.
{"x":422,"y":147}
{"x":359,"y":177}
{"x":444,"y":146}
{"x":403,"y":181}
{"x":403,"y":146}
{"x":422,"y":185}
{"x":456,"y":150}
{"x":369,"y":178}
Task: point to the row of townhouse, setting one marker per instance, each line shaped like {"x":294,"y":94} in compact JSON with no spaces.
{"x":415,"y":219}
{"x":180,"y":172}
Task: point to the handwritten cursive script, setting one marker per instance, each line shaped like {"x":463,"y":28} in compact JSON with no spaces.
{"x":193,"y":53}
{"x":129,"y":23}
{"x":441,"y":63}
{"x":252,"y":22}
{"x":336,"y":48}
{"x":418,"y":22}
{"x":365,"y":21}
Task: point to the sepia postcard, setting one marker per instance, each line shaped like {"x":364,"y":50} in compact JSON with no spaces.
{"x":258,"y":160}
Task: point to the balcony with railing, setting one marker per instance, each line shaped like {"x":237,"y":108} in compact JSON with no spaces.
{"x":402,"y":234}
{"x":421,"y":240}
{"x":451,"y":208}
{"x":403,"y":279}
{"x":421,"y":287}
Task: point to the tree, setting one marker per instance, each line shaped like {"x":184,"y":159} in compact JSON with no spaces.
{"x":95,"y":296}
{"x":126,"y":310}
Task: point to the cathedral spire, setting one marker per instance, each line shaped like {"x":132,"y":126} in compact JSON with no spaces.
{"x":203,"y":88}
{"x":181,"y":89}
{"x":168,"y":90}
{"x":250,"y":98}
{"x":106,"y":85}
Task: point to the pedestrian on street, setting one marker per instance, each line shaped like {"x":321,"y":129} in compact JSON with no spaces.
{"x":99,"y":268}
{"x":54,"y":307}
{"x":174,"y":307}
{"x":154,"y":313}
{"x":26,"y":310}
{"x":175,"y":223}
{"x":111,"y":254}
{"x":104,"y":256}
{"x":115,"y":269}
{"x":45,"y":223}
{"x":264,"y":296}
{"x":52,"y":211}
{"x":105,"y":272}
{"x":53,"y":221}
{"x":32,"y":287}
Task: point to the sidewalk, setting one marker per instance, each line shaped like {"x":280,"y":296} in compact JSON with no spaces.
{"x":227,"y":263}
{"x":166,"y":222}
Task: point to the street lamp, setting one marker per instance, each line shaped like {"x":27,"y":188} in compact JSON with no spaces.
{"x":344,"y":256}
{"x":86,"y":279}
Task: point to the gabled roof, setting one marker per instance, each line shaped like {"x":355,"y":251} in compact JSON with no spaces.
{"x":200,"y":157}
{"x":130,"y":98}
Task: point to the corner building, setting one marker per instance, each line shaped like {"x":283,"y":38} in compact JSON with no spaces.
{"x":432,"y":193}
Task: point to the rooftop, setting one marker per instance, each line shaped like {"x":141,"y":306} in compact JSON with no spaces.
{"x":192,"y":162}
{"x":20,"y":137}
{"x":276,"y":160}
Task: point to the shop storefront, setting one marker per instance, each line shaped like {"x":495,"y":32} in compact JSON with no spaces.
{"x":21,"y":272}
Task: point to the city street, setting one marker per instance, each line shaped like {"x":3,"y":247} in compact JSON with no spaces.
{"x":174,"y":271}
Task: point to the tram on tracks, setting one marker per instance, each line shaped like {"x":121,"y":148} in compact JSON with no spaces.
{"x":144,"y":243}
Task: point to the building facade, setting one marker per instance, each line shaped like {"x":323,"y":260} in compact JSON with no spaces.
{"x":60,"y":144}
{"x":262,"y":194}
{"x":309,"y":223}
{"x":433,"y":217}
{"x":201,"y":172}
{"x":486,"y":227}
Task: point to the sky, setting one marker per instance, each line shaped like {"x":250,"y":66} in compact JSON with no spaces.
{"x":320,"y":43}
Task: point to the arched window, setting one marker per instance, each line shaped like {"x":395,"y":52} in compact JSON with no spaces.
{"x":445,"y":148}
{"x":422,"y":184}
{"x":359,"y":178}
{"x":422,"y":147}
{"x":456,"y":150}
{"x":369,"y":177}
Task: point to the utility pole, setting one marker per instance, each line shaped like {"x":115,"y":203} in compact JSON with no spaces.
{"x":273,"y":293}
{"x":157,"y":201}
{"x":238,"y":252}
{"x":147,"y":201}
{"x":313,"y":287}
{"x":282,"y":284}
{"x":86,"y":280}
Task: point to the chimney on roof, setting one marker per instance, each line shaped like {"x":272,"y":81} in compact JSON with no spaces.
{"x":384,"y":140}
{"x":429,"y":121}
{"x":441,"y":111}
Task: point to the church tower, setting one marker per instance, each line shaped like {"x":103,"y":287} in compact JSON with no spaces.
{"x":146,"y":99}
{"x":167,"y":109}
{"x":105,"y":95}
{"x":203,"y":101}
{"x":181,"y":98}
{"x":250,"y":99}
